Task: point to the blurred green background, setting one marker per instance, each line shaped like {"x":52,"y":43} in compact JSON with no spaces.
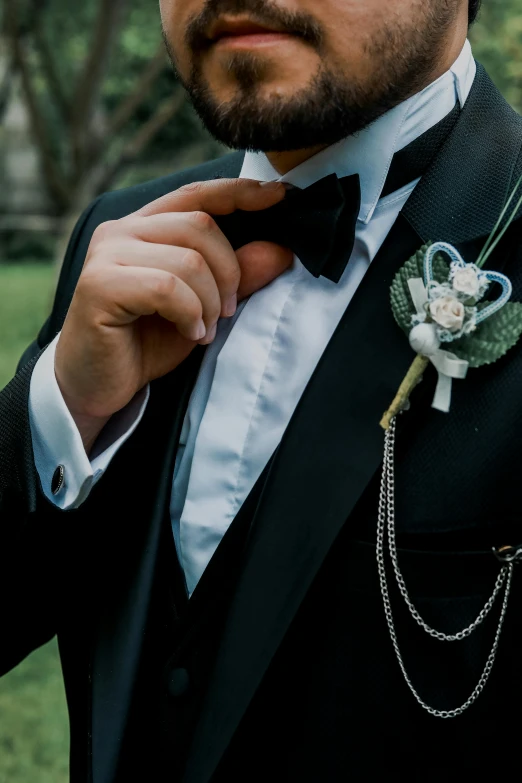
{"x":88,"y":103}
{"x":33,"y":719}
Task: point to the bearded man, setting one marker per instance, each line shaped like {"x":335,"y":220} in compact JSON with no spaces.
{"x":190,"y":452}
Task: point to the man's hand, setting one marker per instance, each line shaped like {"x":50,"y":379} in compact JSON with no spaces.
{"x":153,"y":286}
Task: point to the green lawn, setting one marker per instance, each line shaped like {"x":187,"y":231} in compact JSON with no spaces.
{"x":33,"y":719}
{"x":25,"y":302}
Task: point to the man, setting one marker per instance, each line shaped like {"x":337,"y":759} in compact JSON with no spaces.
{"x":190,"y":452}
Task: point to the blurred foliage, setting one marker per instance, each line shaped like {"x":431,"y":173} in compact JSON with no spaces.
{"x":99,"y":94}
{"x":497,"y":44}
{"x":69,"y":36}
{"x":105,"y":107}
{"x":19,"y":246}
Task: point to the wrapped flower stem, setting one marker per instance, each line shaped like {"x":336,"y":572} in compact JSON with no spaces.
{"x":412,"y":379}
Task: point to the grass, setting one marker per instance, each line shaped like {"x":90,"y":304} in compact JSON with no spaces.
{"x":25,"y":301}
{"x":34,"y":732}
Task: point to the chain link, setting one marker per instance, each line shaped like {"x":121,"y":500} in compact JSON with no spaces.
{"x":386,"y":522}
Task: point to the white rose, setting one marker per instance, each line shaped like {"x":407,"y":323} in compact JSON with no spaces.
{"x":448,"y":312}
{"x":466,"y":281}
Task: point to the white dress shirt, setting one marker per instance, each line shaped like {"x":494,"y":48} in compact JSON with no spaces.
{"x":254,"y":373}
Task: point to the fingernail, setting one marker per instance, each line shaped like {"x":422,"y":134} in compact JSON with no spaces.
{"x":199,"y":331}
{"x":210,"y":335}
{"x":230,"y":306}
{"x":270,"y":185}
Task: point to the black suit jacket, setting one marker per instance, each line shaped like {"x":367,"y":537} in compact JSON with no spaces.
{"x":301,"y":683}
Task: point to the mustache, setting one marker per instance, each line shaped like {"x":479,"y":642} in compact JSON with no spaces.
{"x":262,"y":12}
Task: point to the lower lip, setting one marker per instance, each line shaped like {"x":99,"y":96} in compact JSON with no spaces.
{"x":253,"y":40}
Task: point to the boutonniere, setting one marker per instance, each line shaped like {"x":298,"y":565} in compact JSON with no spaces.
{"x":441,"y":303}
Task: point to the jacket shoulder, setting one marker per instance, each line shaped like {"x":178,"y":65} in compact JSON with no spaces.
{"x":118,"y":203}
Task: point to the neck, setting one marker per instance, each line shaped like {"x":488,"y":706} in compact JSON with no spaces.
{"x":283,"y":162}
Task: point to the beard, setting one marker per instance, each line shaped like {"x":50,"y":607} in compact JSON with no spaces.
{"x":335,"y":104}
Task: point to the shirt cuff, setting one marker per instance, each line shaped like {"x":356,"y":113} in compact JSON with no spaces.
{"x":58,"y":443}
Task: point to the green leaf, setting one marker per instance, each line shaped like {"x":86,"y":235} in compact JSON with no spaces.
{"x":401,"y":301}
{"x":492,"y":338}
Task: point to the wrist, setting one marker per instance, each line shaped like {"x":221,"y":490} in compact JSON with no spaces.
{"x":89,"y":426}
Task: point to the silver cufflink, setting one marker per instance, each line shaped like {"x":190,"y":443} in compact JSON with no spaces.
{"x":58,"y":479}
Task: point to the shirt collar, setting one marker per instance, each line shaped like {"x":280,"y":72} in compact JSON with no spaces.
{"x":370,"y":152}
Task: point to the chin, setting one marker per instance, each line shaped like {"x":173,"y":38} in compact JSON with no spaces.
{"x":269,"y":74}
{"x":271,"y":95}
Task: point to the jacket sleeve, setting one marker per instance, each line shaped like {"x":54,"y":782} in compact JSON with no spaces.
{"x":31,"y":572}
{"x":39,"y":546}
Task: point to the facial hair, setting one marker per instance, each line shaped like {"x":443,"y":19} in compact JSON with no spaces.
{"x":334,"y":104}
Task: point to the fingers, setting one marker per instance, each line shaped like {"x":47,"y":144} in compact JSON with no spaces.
{"x":196,"y":231}
{"x":171,"y":258}
{"x":182,"y":219}
{"x":261,"y":262}
{"x":185,"y":263}
{"x":133,"y":291}
{"x":218,"y":197}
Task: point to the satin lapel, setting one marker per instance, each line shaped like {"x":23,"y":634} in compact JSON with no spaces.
{"x":333,"y":444}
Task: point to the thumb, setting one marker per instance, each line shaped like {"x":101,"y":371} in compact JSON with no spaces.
{"x":261,"y":262}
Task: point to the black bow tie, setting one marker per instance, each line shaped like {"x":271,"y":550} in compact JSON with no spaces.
{"x":318,"y":223}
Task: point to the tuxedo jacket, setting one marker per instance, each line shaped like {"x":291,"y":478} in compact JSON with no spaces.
{"x":280,"y":666}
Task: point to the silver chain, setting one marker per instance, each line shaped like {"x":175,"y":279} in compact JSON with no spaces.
{"x":386,"y":521}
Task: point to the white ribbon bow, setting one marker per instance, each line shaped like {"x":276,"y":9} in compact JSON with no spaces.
{"x":447,"y":364}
